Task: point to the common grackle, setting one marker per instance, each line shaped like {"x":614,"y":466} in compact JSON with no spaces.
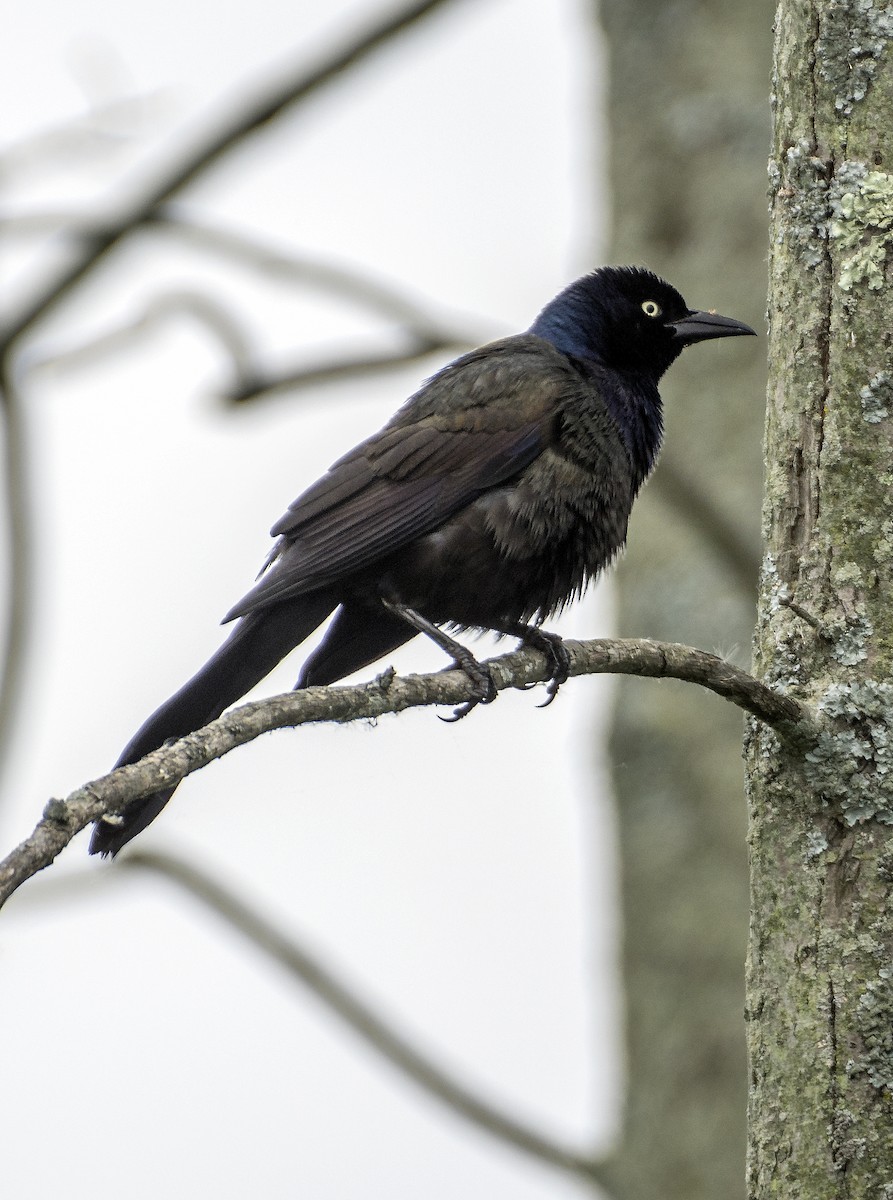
{"x":488,"y":502}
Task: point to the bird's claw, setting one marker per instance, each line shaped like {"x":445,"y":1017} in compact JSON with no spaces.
{"x":552,"y":645}
{"x":483,"y":684}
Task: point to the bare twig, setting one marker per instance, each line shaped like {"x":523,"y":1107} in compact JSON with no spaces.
{"x":210,"y":313}
{"x":421,"y":332}
{"x":244,"y":119}
{"x":14,"y":638}
{"x":786,"y":598}
{"x":341,"y":366}
{"x":349,"y":282}
{"x":378,"y":1033}
{"x":39,"y":224}
{"x":62,"y":819}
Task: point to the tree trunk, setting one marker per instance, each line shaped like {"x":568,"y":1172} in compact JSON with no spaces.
{"x":688,"y":121}
{"x":820,"y":987}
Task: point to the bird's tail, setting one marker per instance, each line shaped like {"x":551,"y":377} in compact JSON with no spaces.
{"x":252,"y":650}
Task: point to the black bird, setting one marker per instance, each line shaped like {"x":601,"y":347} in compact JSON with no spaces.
{"x":488,"y":501}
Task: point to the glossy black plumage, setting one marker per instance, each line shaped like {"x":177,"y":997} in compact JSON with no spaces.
{"x":489,"y":501}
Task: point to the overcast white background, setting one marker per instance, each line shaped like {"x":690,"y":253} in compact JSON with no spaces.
{"x":460,"y":876}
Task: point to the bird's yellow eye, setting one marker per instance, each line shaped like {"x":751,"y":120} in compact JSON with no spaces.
{"x":651,"y":308}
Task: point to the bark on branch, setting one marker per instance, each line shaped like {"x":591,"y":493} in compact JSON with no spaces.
{"x":794,"y":722}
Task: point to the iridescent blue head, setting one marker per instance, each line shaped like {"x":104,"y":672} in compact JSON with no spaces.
{"x":628,"y":319}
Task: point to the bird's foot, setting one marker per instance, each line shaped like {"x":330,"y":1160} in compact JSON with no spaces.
{"x":463,"y":659}
{"x":481,"y":679}
{"x":553,"y":647}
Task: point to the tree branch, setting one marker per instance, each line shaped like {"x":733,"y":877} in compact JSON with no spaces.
{"x":422,"y":332}
{"x":16,"y":509}
{"x":345,"y":365}
{"x":246,"y":115}
{"x":374,"y":1029}
{"x":209,"y":312}
{"x":245,"y":118}
{"x":62,"y":819}
{"x":349,"y":282}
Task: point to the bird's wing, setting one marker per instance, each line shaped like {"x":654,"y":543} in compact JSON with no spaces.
{"x":472,"y":427}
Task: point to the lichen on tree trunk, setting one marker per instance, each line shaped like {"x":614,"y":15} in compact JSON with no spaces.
{"x":820,"y":969}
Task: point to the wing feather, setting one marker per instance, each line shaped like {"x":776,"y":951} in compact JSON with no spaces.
{"x":435,"y":457}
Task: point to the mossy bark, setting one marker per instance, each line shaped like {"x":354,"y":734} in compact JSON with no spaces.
{"x":688,"y":125}
{"x":820,"y":971}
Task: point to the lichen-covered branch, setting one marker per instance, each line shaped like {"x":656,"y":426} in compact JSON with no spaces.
{"x":62,"y":819}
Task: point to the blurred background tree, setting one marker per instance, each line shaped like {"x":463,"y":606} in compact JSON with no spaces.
{"x":688,"y":119}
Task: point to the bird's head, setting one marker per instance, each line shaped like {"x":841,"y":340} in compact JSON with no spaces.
{"x":628,"y":319}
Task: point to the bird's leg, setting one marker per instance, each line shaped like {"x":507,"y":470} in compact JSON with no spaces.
{"x":550,"y":644}
{"x":461,"y":656}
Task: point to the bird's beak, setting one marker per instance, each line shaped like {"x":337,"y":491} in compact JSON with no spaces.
{"x":699,"y":326}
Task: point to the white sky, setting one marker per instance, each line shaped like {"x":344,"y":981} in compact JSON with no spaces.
{"x":460,"y":875}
